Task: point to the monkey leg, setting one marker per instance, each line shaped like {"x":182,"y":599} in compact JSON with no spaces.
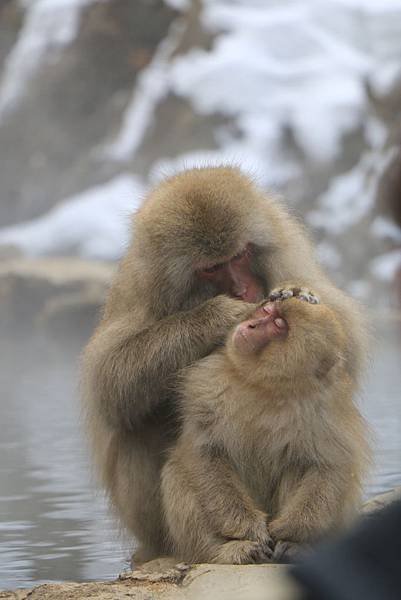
{"x":242,"y":552}
{"x":320,"y":501}
{"x":191,"y":534}
{"x":225,"y":499}
{"x":134,"y":481}
{"x":208,"y":519}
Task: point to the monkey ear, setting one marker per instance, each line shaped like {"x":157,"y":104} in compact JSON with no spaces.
{"x":326,"y":363}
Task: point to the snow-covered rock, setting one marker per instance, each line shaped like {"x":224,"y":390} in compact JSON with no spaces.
{"x":49,"y":25}
{"x":93,"y":224}
{"x":301,"y":95}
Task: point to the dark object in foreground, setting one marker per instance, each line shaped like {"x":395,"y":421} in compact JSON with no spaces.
{"x":364,"y":565}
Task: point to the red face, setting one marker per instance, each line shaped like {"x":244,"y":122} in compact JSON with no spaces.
{"x":235,"y":278}
{"x":265,"y":325}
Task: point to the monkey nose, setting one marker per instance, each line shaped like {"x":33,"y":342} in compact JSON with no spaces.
{"x":239,"y":291}
{"x":272,"y":309}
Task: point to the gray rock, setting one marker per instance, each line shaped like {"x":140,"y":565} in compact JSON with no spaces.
{"x":200,"y":582}
{"x":73,"y":103}
{"x":58,"y":296}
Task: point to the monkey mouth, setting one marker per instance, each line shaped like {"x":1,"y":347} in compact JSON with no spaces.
{"x":252,"y":292}
{"x":250,"y":295}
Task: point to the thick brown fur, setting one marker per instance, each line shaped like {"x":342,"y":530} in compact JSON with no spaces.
{"x":273,"y":450}
{"x":159,"y":318}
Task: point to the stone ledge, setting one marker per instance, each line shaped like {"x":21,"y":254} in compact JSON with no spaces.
{"x":160,"y":580}
{"x":199,"y":582}
{"x":56,"y":295}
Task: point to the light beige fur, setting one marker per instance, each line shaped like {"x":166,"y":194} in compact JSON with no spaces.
{"x":273,"y":448}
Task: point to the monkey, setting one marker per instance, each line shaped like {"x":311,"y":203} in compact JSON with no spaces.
{"x":207,"y":246}
{"x":273,"y":450}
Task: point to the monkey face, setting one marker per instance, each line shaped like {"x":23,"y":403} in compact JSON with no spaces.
{"x":201,"y":234}
{"x":265,"y":325}
{"x":287,"y":339}
{"x":234,"y":277}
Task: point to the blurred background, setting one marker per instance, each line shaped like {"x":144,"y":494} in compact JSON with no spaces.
{"x":99,"y":99}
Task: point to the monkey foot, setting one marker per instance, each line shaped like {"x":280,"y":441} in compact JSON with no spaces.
{"x":287,"y":552}
{"x":243,"y":552}
{"x":300,"y":293}
{"x":158,"y":570}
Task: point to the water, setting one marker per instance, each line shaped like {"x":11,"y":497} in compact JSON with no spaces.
{"x":53,"y":523}
{"x":381,"y":404}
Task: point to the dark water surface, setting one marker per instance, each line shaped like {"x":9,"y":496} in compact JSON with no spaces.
{"x":53,"y":524}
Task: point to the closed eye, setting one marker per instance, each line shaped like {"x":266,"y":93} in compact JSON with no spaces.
{"x":214,"y":268}
{"x":240,"y":254}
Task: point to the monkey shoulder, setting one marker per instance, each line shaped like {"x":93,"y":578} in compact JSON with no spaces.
{"x":205,"y":390}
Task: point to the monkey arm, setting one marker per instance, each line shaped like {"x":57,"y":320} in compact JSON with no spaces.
{"x":128,"y":371}
{"x":223,"y":497}
{"x":322,"y":498}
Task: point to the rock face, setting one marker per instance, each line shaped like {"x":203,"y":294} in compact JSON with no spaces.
{"x":72,"y":102}
{"x":381,"y":500}
{"x":91,"y":90}
{"x":61,"y":297}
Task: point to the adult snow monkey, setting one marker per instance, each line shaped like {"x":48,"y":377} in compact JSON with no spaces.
{"x":207,"y":245}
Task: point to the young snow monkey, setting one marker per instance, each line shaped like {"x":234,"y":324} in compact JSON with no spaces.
{"x":273,"y":450}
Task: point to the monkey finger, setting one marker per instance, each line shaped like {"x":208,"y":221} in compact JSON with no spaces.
{"x":282,"y":294}
{"x":274,"y":295}
{"x":268,"y":551}
{"x":286,"y":552}
{"x":268,"y":543}
{"x":261,"y":554}
{"x":309,"y":297}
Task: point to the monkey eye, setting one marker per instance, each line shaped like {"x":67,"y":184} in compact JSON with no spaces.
{"x":240,"y":254}
{"x":214,"y":268}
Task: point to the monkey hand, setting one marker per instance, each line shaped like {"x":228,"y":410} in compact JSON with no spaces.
{"x":253,"y":527}
{"x":249,"y":541}
{"x":293,"y":291}
{"x":228,"y":312}
{"x":287,"y":552}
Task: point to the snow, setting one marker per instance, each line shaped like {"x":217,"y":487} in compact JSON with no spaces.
{"x":48,"y":26}
{"x":351,"y":196}
{"x":152,"y":87}
{"x":275,"y":71}
{"x":383,"y":228}
{"x":386,"y":266}
{"x":348,"y":199}
{"x":328,"y":255}
{"x":291,"y":66}
{"x":181,"y":5}
{"x":93,"y":224}
{"x":298,"y":66}
{"x":360,"y":289}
